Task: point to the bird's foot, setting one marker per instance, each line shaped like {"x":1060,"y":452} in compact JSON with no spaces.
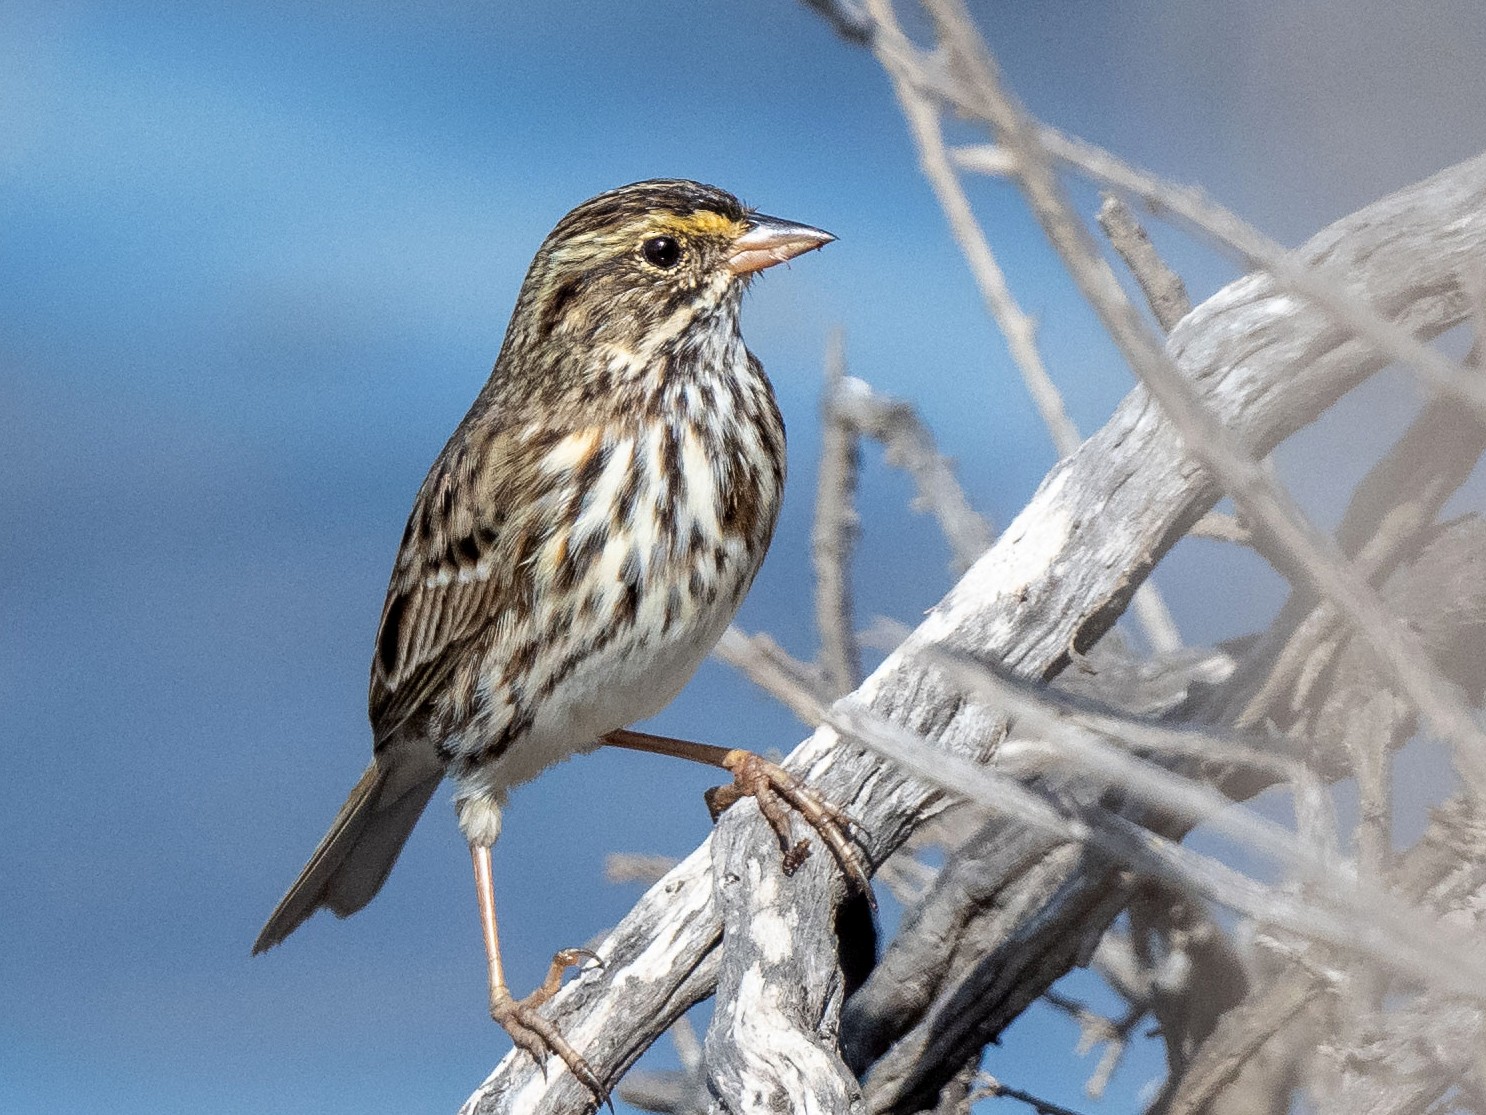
{"x":535,"y":1034}
{"x":777,"y":792}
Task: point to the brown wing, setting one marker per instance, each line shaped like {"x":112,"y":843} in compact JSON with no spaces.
{"x":455,"y":573}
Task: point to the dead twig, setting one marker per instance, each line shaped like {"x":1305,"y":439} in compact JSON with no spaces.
{"x":1163,"y":288}
{"x":908,"y":445}
{"x":834,"y":533}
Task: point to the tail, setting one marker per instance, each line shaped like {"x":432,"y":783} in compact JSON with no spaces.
{"x":352,"y":862}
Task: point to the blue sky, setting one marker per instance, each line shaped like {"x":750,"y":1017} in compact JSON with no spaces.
{"x":257,"y":259}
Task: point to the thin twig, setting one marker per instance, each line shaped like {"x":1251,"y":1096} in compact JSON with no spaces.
{"x":1218,"y":527}
{"x":1163,"y":288}
{"x":1116,"y":1045}
{"x":988,"y":1086}
{"x":1017,"y":327}
{"x":795,"y":684}
{"x":833,"y":536}
{"x":1206,"y":217}
{"x":1095,"y":1029}
{"x":1373,"y":840}
{"x":636,"y":867}
{"x":908,"y":445}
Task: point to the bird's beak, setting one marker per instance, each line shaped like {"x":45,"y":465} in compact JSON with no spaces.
{"x":768,"y":241}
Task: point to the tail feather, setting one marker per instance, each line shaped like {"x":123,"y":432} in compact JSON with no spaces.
{"x":356,"y":855}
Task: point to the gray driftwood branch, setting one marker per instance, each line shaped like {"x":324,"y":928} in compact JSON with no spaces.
{"x":1264,"y":364}
{"x":1308,"y":555}
{"x":981,"y":945}
{"x":1407,"y":1064}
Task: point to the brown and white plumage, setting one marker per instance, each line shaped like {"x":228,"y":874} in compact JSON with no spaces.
{"x":586,"y":534}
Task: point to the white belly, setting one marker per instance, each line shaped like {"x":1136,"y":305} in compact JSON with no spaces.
{"x":611,"y":690}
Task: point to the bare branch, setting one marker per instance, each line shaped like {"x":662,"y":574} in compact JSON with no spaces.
{"x":1311,"y":556}
{"x":1356,"y":314}
{"x":1221,"y":528}
{"x":1409,"y":1062}
{"x":1019,"y":330}
{"x":1391,"y":512}
{"x":988,"y":1085}
{"x":909,"y":445}
{"x":982,"y":897}
{"x":1237,"y":1038}
{"x":834,"y":534}
{"x":1194,"y":973}
{"x":772,"y":1042}
{"x":797,"y":685}
{"x":1094,"y":1030}
{"x":633,"y":867}
{"x":1374,"y":924}
{"x":1319,"y":284}
{"x":1163,"y":288}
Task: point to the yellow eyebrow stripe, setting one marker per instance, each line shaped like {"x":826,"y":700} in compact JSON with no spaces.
{"x":705,"y":223}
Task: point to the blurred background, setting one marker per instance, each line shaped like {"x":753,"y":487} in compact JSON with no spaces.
{"x":255,"y":261}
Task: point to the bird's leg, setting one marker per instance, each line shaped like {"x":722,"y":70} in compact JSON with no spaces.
{"x":519,"y":1017}
{"x":776,"y":791}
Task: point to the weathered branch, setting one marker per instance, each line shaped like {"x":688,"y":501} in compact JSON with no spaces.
{"x":1391,"y":512}
{"x":1016,"y":326}
{"x":1316,"y":281}
{"x":1238,"y":1038}
{"x":1310,"y":555}
{"x":1445,"y":592}
{"x":1419,"y":1054}
{"x":1057,"y":931}
{"x":987,"y":1085}
{"x":798,"y":685}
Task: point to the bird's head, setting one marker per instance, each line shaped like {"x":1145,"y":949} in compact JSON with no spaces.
{"x":637,"y":267}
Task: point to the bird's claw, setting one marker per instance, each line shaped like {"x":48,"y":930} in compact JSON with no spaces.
{"x":777,"y":792}
{"x":539,"y":1037}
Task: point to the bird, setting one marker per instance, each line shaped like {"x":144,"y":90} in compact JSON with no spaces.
{"x":575,"y":551}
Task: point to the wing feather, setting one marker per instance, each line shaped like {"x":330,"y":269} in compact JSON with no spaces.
{"x":450,"y":579}
{"x":467,"y":560}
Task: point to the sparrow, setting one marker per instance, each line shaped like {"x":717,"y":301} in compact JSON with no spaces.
{"x":576,"y":550}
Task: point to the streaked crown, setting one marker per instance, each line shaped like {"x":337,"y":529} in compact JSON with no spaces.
{"x":628,"y":260}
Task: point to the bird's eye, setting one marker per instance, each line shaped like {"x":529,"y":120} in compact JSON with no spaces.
{"x":662,"y":251}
